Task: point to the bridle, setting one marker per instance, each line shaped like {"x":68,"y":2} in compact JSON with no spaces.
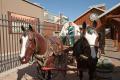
{"x":91,"y":46}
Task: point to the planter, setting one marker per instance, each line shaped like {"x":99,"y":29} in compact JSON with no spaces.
{"x":104,"y":74}
{"x":104,"y":69}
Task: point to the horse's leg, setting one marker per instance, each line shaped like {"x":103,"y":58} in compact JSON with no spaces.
{"x":49,"y":75}
{"x":40,"y":72}
{"x":92,"y":72}
{"x":80,"y":74}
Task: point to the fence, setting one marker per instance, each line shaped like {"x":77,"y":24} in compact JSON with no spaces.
{"x":10,"y":33}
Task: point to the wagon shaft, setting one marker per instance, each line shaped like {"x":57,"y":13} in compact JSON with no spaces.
{"x":59,"y":69}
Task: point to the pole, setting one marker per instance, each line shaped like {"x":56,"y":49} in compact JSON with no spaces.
{"x":1,"y":6}
{"x":60,"y":21}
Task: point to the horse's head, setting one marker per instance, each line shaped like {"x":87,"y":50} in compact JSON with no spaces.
{"x":88,"y":42}
{"x":28,"y":44}
{"x":92,"y":37}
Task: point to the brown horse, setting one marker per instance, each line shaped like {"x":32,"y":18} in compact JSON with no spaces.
{"x":42,"y":49}
{"x":85,"y":51}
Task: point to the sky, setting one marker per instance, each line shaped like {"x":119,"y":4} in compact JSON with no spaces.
{"x":72,"y":8}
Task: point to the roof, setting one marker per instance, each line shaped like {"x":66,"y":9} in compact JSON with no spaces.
{"x":99,"y":5}
{"x":108,"y":11}
{"x":89,"y":10}
{"x":34,"y":4}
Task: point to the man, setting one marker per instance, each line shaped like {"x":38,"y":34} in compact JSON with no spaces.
{"x":71,"y":33}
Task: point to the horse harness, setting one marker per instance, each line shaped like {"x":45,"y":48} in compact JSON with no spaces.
{"x":42,"y":59}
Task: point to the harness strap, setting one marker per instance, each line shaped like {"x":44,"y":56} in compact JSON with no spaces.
{"x":41,"y":59}
{"x":83,"y":57}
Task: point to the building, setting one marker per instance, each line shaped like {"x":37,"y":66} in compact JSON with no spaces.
{"x":90,"y":15}
{"x":110,"y":21}
{"x":23,"y":11}
{"x":14,"y":13}
{"x":53,"y":23}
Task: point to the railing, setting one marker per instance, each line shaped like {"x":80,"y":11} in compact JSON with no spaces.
{"x":8,"y":46}
{"x":10,"y":33}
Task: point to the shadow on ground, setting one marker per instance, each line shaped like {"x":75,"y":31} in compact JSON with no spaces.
{"x":27,"y":73}
{"x":116,"y":73}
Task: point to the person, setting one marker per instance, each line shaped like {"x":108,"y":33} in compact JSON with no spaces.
{"x":71,"y":33}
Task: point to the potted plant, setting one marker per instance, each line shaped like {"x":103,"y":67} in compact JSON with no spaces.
{"x":104,"y":69}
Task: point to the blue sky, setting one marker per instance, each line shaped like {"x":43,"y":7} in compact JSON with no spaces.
{"x":72,"y":8}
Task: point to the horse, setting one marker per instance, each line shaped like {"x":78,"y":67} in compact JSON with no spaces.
{"x":85,"y":52}
{"x":33,"y":44}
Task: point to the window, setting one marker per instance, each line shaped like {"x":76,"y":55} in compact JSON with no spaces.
{"x":17,"y":20}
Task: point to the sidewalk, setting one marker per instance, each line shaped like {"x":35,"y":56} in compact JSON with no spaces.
{"x":112,"y":53}
{"x":19,"y":73}
{"x":28,"y":72}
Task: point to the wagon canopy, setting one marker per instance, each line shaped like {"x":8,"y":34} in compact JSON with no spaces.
{"x":64,"y":30}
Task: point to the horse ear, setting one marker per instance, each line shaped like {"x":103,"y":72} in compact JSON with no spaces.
{"x":84,"y":25}
{"x":30,"y":28}
{"x":23,"y":29}
{"x":94,"y":24}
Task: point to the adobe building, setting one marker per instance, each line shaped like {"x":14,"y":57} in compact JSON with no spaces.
{"x":13,"y":14}
{"x":22,"y":10}
{"x":22,"y":7}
